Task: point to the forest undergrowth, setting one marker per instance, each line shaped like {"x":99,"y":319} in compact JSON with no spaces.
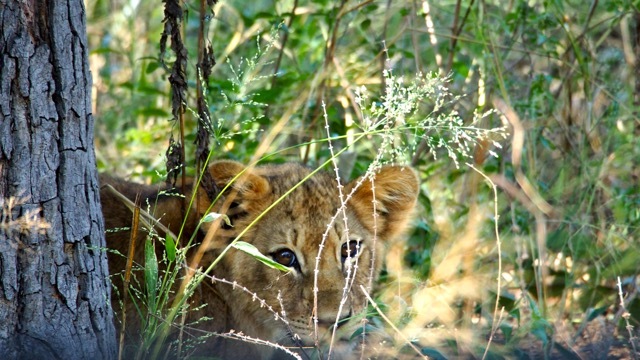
{"x":521,"y":119}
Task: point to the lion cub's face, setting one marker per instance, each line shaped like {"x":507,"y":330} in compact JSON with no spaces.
{"x":326,"y":249}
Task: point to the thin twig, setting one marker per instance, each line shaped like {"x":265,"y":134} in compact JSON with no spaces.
{"x":329,"y":51}
{"x":456,"y":29}
{"x":283,"y":44}
{"x":148,"y":220}
{"x":625,"y":315}
{"x":454,"y":39}
{"x":350,"y":266}
{"x":496,"y":218}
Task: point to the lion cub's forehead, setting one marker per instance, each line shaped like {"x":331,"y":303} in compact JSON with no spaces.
{"x":308,"y":209}
{"x":321,"y":189}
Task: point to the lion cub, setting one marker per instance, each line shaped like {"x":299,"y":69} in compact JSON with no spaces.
{"x":330,"y":253}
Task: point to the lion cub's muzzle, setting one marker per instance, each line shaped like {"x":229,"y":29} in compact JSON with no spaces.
{"x":330,"y":322}
{"x":304,"y":330}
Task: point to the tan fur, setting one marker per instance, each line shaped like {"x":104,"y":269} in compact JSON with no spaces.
{"x":297,"y":223}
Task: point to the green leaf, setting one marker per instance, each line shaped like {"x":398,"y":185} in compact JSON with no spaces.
{"x":515,"y":313}
{"x":432,"y":353}
{"x":152,"y":111}
{"x":367,"y":329}
{"x":597,"y":312}
{"x":150,"y":90}
{"x":105,"y":50}
{"x":507,"y":330}
{"x":540,"y":328}
{"x":153,"y":66}
{"x":256,"y":254}
{"x":566,"y":353}
{"x":212,"y":216}
{"x":150,"y":272}
{"x":170,"y":247}
{"x":625,"y":265}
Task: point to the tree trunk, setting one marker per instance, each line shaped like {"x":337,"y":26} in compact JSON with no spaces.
{"x":54,"y":287}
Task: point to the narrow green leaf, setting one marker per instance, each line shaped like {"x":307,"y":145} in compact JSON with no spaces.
{"x":151,"y":111}
{"x":212,"y":216}
{"x":150,"y":272}
{"x":256,"y":254}
{"x":565,"y":352}
{"x":507,"y":330}
{"x":153,"y":65}
{"x":596,"y":313}
{"x":432,"y":353}
{"x":539,"y":329}
{"x":367,"y":329}
{"x":170,"y":247}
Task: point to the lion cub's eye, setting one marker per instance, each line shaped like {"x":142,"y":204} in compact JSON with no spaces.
{"x":350,"y":249}
{"x":285,"y":257}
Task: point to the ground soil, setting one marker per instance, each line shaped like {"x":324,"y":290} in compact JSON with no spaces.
{"x":598,"y":339}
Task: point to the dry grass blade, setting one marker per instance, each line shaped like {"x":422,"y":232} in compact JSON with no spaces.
{"x":148,"y":221}
{"x":135,"y":223}
{"x":390,"y":323}
{"x":541,"y":209}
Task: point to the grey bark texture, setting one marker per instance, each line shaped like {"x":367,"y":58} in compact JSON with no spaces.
{"x":54,"y":287}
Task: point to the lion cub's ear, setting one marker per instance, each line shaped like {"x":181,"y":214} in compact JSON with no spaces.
{"x":240,"y":178}
{"x":396,"y":191}
{"x":241,"y":183}
{"x":242,"y":186}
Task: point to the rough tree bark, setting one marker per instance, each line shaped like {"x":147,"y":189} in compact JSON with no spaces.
{"x":54,"y":289}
